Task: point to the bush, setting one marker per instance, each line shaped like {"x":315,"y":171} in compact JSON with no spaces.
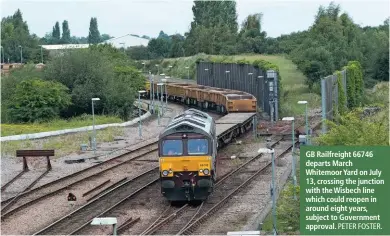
{"x":38,"y":100}
{"x":100,"y":71}
{"x":353,"y":129}
{"x":9,"y":83}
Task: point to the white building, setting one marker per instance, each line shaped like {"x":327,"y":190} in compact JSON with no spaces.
{"x":119,"y":42}
{"x":127,"y":41}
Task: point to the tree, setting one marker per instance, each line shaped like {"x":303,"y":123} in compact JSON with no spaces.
{"x":117,"y":99}
{"x":177,"y":46}
{"x":38,"y":100}
{"x":213,"y":20}
{"x":163,"y":36}
{"x":93,"y":72}
{"x":138,"y":52}
{"x":65,"y":32}
{"x":159,"y":48}
{"x":56,"y":33}
{"x":105,"y":37}
{"x":251,"y":39}
{"x":9,"y":83}
{"x":94,"y":35}
{"x":15,"y":32}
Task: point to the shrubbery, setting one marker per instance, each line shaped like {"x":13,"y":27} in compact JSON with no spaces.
{"x":38,"y":100}
{"x":67,"y":84}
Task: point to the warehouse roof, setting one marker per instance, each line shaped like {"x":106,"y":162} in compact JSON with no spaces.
{"x":119,"y":42}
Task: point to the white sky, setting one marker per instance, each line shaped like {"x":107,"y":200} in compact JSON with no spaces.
{"x":120,"y":17}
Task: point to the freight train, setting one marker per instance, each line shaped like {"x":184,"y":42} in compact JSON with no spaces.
{"x":187,"y":153}
{"x":188,"y":145}
{"x":223,"y":101}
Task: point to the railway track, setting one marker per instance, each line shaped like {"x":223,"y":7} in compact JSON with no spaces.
{"x":28,"y":198}
{"x":78,"y":219}
{"x":176,"y":221}
{"x":13,"y":199}
{"x":218,"y":200}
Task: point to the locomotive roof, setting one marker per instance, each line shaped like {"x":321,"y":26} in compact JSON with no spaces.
{"x":198,"y":120}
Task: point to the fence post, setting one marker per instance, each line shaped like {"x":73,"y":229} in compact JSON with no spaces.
{"x":323,"y":98}
{"x":276,"y":97}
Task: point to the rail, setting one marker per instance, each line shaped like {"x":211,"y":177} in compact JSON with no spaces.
{"x":163,"y":220}
{"x":78,"y":219}
{"x":76,"y":179}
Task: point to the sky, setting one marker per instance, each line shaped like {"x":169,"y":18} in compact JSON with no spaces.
{"x":148,"y":17}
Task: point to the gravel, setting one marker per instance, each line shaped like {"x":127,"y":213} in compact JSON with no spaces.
{"x":148,"y":206}
{"x":247,"y":203}
{"x":55,"y":207}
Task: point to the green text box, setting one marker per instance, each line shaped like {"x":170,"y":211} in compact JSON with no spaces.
{"x":345,"y":190}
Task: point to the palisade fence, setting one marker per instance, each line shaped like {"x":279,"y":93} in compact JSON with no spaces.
{"x":330,"y":96}
{"x":243,"y":77}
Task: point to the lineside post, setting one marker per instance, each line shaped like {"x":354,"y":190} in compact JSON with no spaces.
{"x":323,"y":103}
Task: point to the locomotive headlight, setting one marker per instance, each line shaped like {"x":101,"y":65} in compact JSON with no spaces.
{"x":200,"y":170}
{"x":165,"y":173}
{"x":206,"y":171}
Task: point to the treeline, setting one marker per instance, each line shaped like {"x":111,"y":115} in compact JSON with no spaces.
{"x":64,"y":87}
{"x":18,"y":45}
{"x":328,"y":45}
{"x":17,"y":42}
{"x":332,"y":41}
{"x":64,"y":37}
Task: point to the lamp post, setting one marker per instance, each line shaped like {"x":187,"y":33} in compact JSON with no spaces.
{"x":158,"y":69}
{"x":106,"y":221}
{"x":166,"y":91}
{"x":94,"y":131}
{"x":143,"y":63}
{"x":293,"y":153}
{"x":188,"y":72}
{"x":151,"y":90}
{"x":271,"y":151}
{"x":161,"y":97}
{"x":160,"y":109}
{"x":2,"y":53}
{"x":21,"y":54}
{"x":306,"y":121}
{"x":139,"y":112}
{"x":42,"y":54}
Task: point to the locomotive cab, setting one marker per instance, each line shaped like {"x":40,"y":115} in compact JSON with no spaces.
{"x":187,"y":158}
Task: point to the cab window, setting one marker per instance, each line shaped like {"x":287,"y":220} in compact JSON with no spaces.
{"x":172,"y":147}
{"x":198,"y":146}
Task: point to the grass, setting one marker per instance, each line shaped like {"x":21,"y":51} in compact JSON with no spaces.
{"x":59,"y":124}
{"x":293,"y":80}
{"x":63,"y":144}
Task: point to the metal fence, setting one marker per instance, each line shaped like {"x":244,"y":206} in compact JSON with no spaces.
{"x":243,"y":77}
{"x":330,"y":96}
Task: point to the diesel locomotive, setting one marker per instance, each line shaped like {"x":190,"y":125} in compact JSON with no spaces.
{"x":187,"y":157}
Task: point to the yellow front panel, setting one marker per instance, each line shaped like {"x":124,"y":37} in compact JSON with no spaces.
{"x":187,"y":163}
